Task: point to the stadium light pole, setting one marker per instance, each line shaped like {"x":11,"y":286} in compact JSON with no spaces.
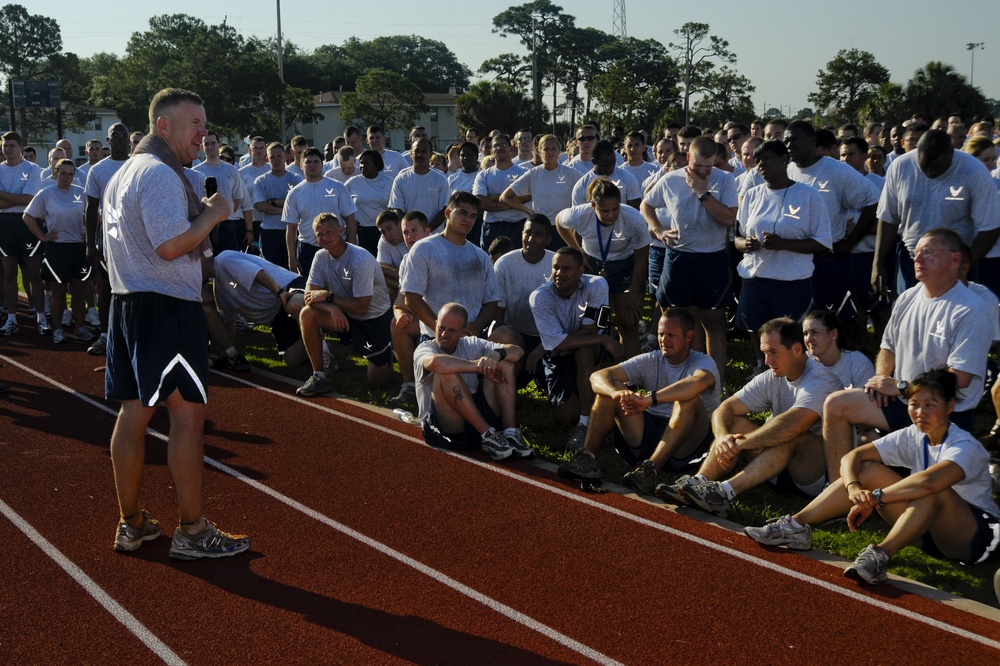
{"x":281,"y":74}
{"x":972,"y":46}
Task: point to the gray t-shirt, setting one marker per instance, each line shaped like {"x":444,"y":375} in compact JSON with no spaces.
{"x":269,"y":186}
{"x":517,"y":279}
{"x":492,"y":182}
{"x":442,"y":272}
{"x":248,"y":174}
{"x":698,"y":230}
{"x":227,"y":177}
{"x":307,"y":200}
{"x":951,"y":330}
{"x":62,"y":210}
{"x":853,"y":369}
{"x":25,"y":178}
{"x":460,"y":181}
{"x":100,"y":175}
{"x":652,"y":371}
{"x":608,"y":243}
{"x":963,"y":199}
{"x":354,"y":274}
{"x":144,"y":206}
{"x":626,"y":183}
{"x":427,"y":192}
{"x":767,"y":391}
{"x":842,"y":188}
{"x":237,"y":291}
{"x":469,"y":348}
{"x":906,"y":448}
{"x":551,"y":191}
{"x":371,"y":197}
{"x":389,"y":254}
{"x":556,"y":317}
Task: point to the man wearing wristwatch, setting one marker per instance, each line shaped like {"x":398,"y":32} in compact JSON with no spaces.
{"x":345,"y":291}
{"x":939,"y":323}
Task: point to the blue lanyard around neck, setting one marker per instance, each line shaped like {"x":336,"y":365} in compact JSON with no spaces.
{"x":927,"y":452}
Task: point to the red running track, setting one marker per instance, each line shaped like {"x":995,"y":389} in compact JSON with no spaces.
{"x":369,"y":547}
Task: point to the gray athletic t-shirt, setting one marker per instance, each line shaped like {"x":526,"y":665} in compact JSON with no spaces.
{"x":307,"y":200}
{"x":492,"y":182}
{"x":842,"y":189}
{"x":236,"y":289}
{"x":469,"y":348}
{"x":620,"y":240}
{"x":551,"y":191}
{"x":354,"y":274}
{"x":626,"y":183}
{"x":517,"y":279}
{"x":698,"y":230}
{"x":652,"y":371}
{"x":62,"y":211}
{"x":269,"y":186}
{"x":370,"y":196}
{"x":426,"y":192}
{"x":25,"y":178}
{"x":767,"y":391}
{"x":556,"y":317}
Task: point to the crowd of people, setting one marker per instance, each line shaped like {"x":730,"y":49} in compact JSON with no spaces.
{"x":610,"y":272}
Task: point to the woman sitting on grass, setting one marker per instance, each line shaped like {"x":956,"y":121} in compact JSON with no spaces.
{"x":945,"y":506}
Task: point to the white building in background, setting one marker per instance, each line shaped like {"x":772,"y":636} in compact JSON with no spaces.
{"x":95,"y":129}
{"x":440,"y":122}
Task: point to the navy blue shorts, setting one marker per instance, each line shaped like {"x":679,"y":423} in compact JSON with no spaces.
{"x":618,"y":273}
{"x":64,"y":262}
{"x":468,"y":439}
{"x":832,"y":280}
{"x":368,"y":239}
{"x":156,"y":344}
{"x":694,"y":279}
{"x":493,"y":230}
{"x":559,"y":375}
{"x":652,"y":432}
{"x":15,"y":238}
{"x":372,"y":338}
{"x":656,"y":254}
{"x":985,"y":543}
{"x":273,"y":248}
{"x":304,"y":254}
{"x":764,"y":299}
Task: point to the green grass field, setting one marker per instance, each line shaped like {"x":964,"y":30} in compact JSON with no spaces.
{"x":754,"y":508}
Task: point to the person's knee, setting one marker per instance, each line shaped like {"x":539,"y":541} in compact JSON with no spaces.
{"x":505,"y":335}
{"x":309,"y":317}
{"x":843,"y":405}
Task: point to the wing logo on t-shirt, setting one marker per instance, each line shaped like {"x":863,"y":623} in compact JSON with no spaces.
{"x":113,"y":218}
{"x":955,"y":194}
{"x":793,"y":212}
{"x":347,"y":274}
{"x":562,"y":179}
{"x":330,"y":193}
{"x":822,"y":185}
{"x":24,"y":176}
{"x":938,"y":330}
{"x":77,"y":198}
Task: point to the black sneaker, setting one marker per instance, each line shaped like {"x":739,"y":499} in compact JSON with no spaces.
{"x":642,"y":478}
{"x":239,"y":363}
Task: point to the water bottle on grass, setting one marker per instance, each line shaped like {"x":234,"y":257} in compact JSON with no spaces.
{"x":404,"y":416}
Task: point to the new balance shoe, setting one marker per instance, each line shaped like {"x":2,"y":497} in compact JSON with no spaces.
{"x":576,"y":437}
{"x":496,"y":445}
{"x":673,"y":493}
{"x":100,"y":346}
{"x":209,"y":543}
{"x":642,"y":478}
{"x":515,"y":438}
{"x":84,"y":334}
{"x":870,"y":566}
{"x":58,"y":337}
{"x":44,"y":328}
{"x":92,"y":318}
{"x":407,"y":395}
{"x":781,"y":532}
{"x":128,"y":538}
{"x":582,"y":466}
{"x":10,"y":328}
{"x":314,"y":386}
{"x":710,"y":497}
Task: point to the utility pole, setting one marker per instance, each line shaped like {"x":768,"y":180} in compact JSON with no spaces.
{"x":281,"y":75}
{"x":536,"y":81}
{"x":972,"y":46}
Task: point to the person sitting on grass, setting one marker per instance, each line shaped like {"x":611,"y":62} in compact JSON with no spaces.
{"x":945,"y":505}
{"x":391,"y":249}
{"x":671,"y":423}
{"x":457,"y":408}
{"x":787,"y":446}
{"x":345,"y":291}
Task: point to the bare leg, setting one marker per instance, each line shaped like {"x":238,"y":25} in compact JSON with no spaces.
{"x":453,"y":404}
{"x":713,"y":323}
{"x":688,"y":427}
{"x":128,"y":453}
{"x":185,"y":454}
{"x":841,"y":412}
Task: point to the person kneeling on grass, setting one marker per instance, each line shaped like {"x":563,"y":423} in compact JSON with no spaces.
{"x":670,"y":424}
{"x":788,"y":446}
{"x":459,"y":410}
{"x":945,"y":505}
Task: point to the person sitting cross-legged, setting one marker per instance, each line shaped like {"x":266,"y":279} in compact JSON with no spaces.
{"x":788,"y":445}
{"x":457,"y":408}
{"x":945,"y":505}
{"x":671,"y":423}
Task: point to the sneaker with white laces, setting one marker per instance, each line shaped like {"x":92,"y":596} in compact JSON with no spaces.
{"x":576,"y":437}
{"x":407,"y":395}
{"x":67,"y":318}
{"x":870,"y":566}
{"x":710,"y":497}
{"x":781,"y":532}
{"x":128,"y":538}
{"x":211,"y":542}
{"x":84,"y":334}
{"x":100,"y":346}
{"x":9,"y":328}
{"x":93,"y":317}
{"x":642,"y":478}
{"x":58,"y":337}
{"x":515,"y":438}
{"x":673,"y":493}
{"x":582,"y":466}
{"x":496,"y":445}
{"x":44,"y":328}
{"x":314,"y":386}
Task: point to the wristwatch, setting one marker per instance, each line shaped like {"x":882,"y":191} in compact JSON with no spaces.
{"x":877,"y":494}
{"x":704,"y":196}
{"x":901,"y":385}
{"x":329,"y":297}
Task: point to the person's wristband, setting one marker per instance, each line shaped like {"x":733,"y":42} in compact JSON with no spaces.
{"x":280,"y":291}
{"x":655,"y":401}
{"x":703,"y":197}
{"x":502,"y":353}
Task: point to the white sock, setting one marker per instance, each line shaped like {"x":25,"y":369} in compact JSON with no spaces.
{"x":325,"y":348}
{"x":584,"y":420}
{"x":486,"y":434}
{"x":319,"y":374}
{"x":728,"y":489}
{"x":11,"y":319}
{"x":510,"y":431}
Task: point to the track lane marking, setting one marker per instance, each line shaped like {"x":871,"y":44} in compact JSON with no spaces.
{"x":96,"y":592}
{"x":438,"y":576}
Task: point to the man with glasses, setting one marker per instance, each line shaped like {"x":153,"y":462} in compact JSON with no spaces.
{"x":736,"y":136}
{"x":586,"y":138}
{"x":135,"y":138}
{"x":227,"y":177}
{"x":525,"y":147}
{"x":939,"y":323}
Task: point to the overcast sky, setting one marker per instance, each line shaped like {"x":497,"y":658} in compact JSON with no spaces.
{"x":780,"y":51}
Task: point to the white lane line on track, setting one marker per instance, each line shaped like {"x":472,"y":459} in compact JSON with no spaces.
{"x":856,"y":596}
{"x":436,"y":575}
{"x":116,"y":610}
